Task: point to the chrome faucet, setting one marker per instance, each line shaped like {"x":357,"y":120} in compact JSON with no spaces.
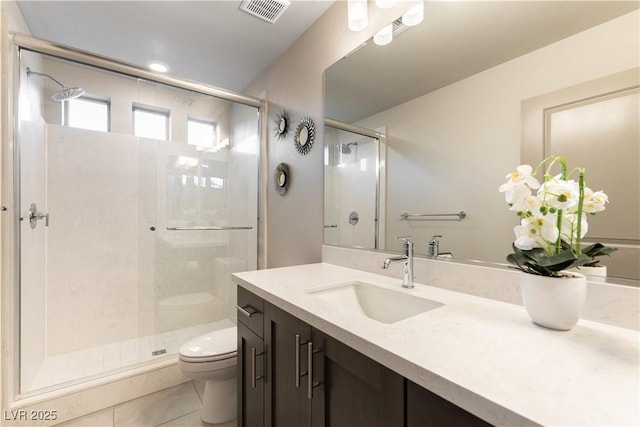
{"x":434,"y":246}
{"x":433,"y":250}
{"x":407,"y":258}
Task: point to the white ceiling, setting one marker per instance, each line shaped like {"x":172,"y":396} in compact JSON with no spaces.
{"x":211,"y":42}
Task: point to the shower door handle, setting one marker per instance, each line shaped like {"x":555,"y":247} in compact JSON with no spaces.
{"x":34,"y":216}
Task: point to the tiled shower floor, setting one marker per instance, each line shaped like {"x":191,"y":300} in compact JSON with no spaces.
{"x":97,"y":361}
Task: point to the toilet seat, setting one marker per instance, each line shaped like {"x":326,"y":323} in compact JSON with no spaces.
{"x":214,"y":346}
{"x":216,"y":358}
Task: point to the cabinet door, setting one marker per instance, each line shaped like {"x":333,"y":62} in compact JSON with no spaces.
{"x":426,"y":409}
{"x":353,"y":390}
{"x":287,"y":342}
{"x":250,"y":378}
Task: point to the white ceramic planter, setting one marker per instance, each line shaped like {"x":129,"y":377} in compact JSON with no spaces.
{"x":595,"y":274}
{"x":554,"y":302}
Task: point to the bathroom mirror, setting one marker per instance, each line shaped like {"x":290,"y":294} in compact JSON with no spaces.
{"x":450,"y":94}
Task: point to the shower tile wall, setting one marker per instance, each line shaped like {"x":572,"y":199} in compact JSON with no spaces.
{"x":93,"y":238}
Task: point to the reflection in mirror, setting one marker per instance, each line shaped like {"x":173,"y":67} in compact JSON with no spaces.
{"x":351,"y":185}
{"x":449,"y":93}
{"x":303,"y":134}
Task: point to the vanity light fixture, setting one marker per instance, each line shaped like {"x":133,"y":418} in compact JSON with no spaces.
{"x":158,"y":66}
{"x":357,"y":14}
{"x":384,"y":36}
{"x":414,"y":16}
{"x":385,"y":4}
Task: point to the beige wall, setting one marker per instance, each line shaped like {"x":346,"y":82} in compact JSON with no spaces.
{"x":295,"y":82}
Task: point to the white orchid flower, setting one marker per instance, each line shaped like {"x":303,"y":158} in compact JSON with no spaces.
{"x":528,"y":203}
{"x":525,"y":240}
{"x":560,"y":194}
{"x":570,"y":227}
{"x":516,"y":194}
{"x":594,"y":202}
{"x":522,"y":176}
{"x":540,"y":231}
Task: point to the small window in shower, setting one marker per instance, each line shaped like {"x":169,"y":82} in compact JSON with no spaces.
{"x":150,"y":122}
{"x":88,"y":113}
{"x":201,"y":133}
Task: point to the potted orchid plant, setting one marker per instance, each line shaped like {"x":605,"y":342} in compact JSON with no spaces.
{"x":553,"y":221}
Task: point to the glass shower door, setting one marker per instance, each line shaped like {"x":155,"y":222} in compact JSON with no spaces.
{"x":129,"y":247}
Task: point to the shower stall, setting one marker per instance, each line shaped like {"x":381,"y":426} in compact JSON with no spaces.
{"x":353,"y":185}
{"x":131,"y":204}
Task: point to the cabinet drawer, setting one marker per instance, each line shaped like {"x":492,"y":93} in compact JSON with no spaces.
{"x":251,"y":311}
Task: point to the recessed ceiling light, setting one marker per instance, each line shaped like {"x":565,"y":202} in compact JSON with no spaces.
{"x":158,"y":66}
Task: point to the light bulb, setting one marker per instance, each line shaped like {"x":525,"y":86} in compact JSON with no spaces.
{"x":414,"y":16}
{"x":384,"y":36}
{"x":385,"y":4}
{"x":357,"y":14}
{"x":158,"y":66}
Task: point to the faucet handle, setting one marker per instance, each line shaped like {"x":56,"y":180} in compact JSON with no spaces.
{"x":434,"y":237}
{"x":406,"y":241}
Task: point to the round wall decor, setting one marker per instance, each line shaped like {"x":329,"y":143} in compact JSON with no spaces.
{"x":281,"y":125}
{"x":281,"y":178}
{"x":305,"y":134}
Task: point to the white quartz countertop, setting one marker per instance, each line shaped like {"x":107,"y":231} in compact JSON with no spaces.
{"x":483,"y":355}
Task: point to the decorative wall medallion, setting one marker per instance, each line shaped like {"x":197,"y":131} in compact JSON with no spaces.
{"x":305,"y":134}
{"x":281,"y":125}
{"x":281,"y":178}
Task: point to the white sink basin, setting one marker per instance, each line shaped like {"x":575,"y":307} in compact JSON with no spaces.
{"x":381,"y":304}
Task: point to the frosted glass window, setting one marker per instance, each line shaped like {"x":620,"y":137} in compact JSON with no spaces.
{"x":201,"y":133}
{"x":88,"y":113}
{"x":148,"y":123}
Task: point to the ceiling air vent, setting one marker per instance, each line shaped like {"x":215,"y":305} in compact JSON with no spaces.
{"x":269,"y":10}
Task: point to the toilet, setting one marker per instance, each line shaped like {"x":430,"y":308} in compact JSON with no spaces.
{"x":212,"y":358}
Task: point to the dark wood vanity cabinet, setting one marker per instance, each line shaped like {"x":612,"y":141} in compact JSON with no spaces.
{"x":293,"y":375}
{"x":287,"y":403}
{"x":353,"y":390}
{"x":251,"y":356}
{"x":251,"y":411}
{"x":426,"y":409}
{"x":315,"y":380}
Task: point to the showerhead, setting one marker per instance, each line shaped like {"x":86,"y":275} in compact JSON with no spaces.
{"x":65,"y":93}
{"x":346,"y":149}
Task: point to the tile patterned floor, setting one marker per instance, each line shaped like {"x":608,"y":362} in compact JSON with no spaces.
{"x":98,"y":361}
{"x":178,"y":406}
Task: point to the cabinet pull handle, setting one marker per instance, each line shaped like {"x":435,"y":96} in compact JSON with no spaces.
{"x":254,"y":354}
{"x":297,"y":360}
{"x":311,"y":384}
{"x":247,"y":310}
{"x":310,"y":364}
{"x":298,"y":374}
